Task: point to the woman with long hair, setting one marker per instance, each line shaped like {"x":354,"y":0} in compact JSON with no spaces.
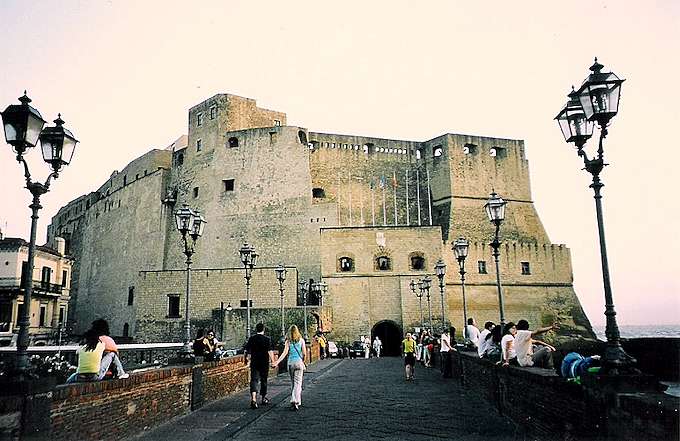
{"x":89,"y":358}
{"x":295,"y":350}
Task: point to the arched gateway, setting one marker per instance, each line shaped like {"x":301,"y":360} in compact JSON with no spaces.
{"x":390,"y":334}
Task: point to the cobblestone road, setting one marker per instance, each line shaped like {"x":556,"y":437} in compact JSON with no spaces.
{"x":348,"y":400}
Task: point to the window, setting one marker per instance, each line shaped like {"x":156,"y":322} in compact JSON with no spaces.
{"x":195,"y":192}
{"x":318,"y":193}
{"x":43,"y":315}
{"x":417,"y":262}
{"x":303,"y":137}
{"x":199,"y":145}
{"x":277,"y":123}
{"x":126,"y":330}
{"x":233,"y":142}
{"x":244,"y":303}
{"x":124,"y":180}
{"x":213,"y":112}
{"x":437,"y":152}
{"x":180,"y":159}
{"x":383,"y":263}
{"x":199,"y":119}
{"x":469,"y":149}
{"x":228,"y":184}
{"x":62,"y":315}
{"x":419,"y":154}
{"x":526,"y":269}
{"x":64,"y":278}
{"x":346,"y":264}
{"x":481,"y":266}
{"x":173,"y":306}
{"x":46,"y":275}
{"x":5,"y":316}
{"x":131,"y":295}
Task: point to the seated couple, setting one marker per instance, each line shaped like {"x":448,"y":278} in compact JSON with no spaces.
{"x":519,"y":347}
{"x":96,"y":355}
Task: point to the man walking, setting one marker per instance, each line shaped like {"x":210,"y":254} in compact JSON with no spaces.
{"x":408,"y":348}
{"x":258,"y":352}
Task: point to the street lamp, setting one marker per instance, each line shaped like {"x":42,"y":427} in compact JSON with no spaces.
{"x":495,"y":210}
{"x":249,"y":261}
{"x":281,"y":277}
{"x":304,"y":291}
{"x":460,"y":249}
{"x":419,"y":293}
{"x":425,"y":285}
{"x":322,"y":290}
{"x":597,"y":100}
{"x":190,"y":224}
{"x":440,"y":270}
{"x":23,"y":126}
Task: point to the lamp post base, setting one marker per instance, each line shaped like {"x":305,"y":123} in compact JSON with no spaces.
{"x":617,"y":362}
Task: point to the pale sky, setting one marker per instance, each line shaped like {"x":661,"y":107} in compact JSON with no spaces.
{"x":124,"y":73}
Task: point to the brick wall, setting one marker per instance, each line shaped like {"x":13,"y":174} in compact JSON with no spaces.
{"x":546,"y":407}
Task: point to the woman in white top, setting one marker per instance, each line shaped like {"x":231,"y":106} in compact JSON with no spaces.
{"x":508,"y":344}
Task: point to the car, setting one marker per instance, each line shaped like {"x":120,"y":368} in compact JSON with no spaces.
{"x":356,"y":349}
{"x":332,"y":349}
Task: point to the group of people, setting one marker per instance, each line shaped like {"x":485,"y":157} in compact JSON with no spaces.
{"x":96,"y":354}
{"x":206,"y":345}
{"x":371,"y":349}
{"x":512,"y":344}
{"x":422,"y":350}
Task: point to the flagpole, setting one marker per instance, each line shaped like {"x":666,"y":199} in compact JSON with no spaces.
{"x":418,"y":193}
{"x":429,"y":196}
{"x":408,"y":217}
{"x":394,"y":187}
{"x":349,"y":186}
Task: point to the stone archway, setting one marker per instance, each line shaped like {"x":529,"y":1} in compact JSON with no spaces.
{"x":390,"y":334}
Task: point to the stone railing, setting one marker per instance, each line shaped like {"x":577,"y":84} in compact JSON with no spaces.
{"x":547,"y":407}
{"x":116,"y":409}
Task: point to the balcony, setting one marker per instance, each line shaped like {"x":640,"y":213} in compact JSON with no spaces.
{"x":11,"y":284}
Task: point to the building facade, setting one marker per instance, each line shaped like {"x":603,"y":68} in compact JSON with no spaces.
{"x":311,"y":201}
{"x":50,"y":296}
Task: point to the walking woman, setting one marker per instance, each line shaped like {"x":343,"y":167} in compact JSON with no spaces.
{"x":294,"y":349}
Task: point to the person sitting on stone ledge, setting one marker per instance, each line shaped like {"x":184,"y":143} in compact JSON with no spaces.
{"x":200,"y":345}
{"x":509,"y":355}
{"x":484,"y":342}
{"x":574,"y":365}
{"x":101,"y":328}
{"x":89,"y":359}
{"x":214,"y":350}
{"x":524,"y":346}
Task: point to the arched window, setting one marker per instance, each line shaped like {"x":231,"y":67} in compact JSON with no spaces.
{"x":346,"y":264}
{"x":437,"y":152}
{"x":180,"y":159}
{"x":383,"y":263}
{"x":419,"y":154}
{"x":318,"y":193}
{"x":417,"y":261}
{"x":233,"y":142}
{"x":303,"y":137}
{"x":126,"y":330}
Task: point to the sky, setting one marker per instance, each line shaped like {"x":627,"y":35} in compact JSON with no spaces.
{"x":124,"y":73}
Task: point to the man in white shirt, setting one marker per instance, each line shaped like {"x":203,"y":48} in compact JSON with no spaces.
{"x":445,"y":349}
{"x":524,"y":346}
{"x":472,"y":333}
{"x":484,"y":343}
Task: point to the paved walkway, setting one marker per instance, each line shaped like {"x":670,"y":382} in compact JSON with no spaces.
{"x":348,"y":399}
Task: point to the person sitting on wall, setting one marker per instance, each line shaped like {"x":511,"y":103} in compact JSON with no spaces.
{"x":89,"y":359}
{"x":101,"y":328}
{"x":214,"y":350}
{"x":483,"y":341}
{"x":524,"y":346}
{"x":472,"y":333}
{"x":200,"y":345}
{"x":574,"y":365}
{"x":509,"y":355}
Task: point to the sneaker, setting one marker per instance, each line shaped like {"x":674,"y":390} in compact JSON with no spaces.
{"x":253,"y":404}
{"x":265,"y":401}
{"x":296,"y":406}
{"x":124,"y":376}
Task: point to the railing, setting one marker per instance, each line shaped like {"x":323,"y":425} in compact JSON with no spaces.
{"x":13,"y":283}
{"x":132,"y":355}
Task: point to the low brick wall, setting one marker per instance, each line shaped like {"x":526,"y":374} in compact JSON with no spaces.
{"x":546,"y":406}
{"x":117,"y":409}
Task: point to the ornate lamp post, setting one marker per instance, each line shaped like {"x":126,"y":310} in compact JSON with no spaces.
{"x":190,"y":224}
{"x":419,"y":293}
{"x":460,"y":249}
{"x":426,"y":284}
{"x":440,"y":270}
{"x":304,"y":291}
{"x":281,"y":277}
{"x":249,"y":261}
{"x":597,"y":100}
{"x":323,"y":289}
{"x":495,"y":210}
{"x":23,"y":127}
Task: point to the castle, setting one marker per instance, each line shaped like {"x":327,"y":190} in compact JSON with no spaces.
{"x":365,"y":215}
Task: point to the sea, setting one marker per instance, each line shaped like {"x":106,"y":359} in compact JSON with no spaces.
{"x":636,"y":331}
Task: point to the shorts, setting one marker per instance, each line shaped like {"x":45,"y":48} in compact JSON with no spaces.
{"x":409,"y":359}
